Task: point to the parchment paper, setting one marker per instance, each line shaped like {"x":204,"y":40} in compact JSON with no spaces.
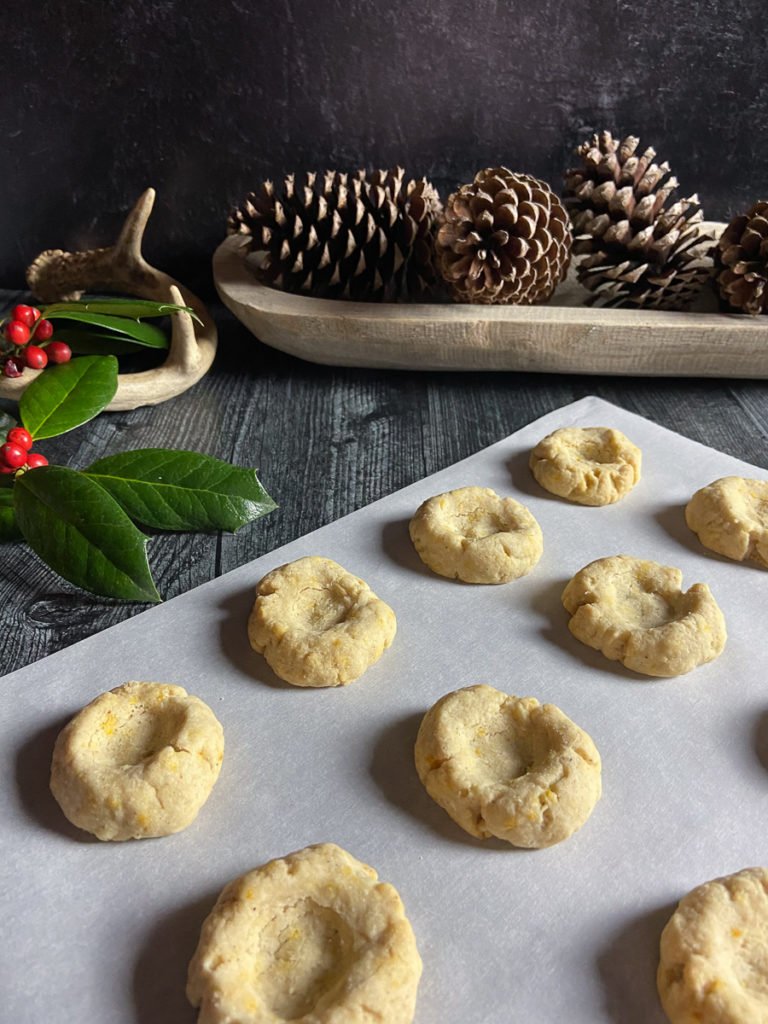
{"x":101,"y":933}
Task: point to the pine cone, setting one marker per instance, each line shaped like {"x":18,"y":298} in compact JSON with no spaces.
{"x":634,"y":249}
{"x":741,"y":261}
{"x":357,"y":236}
{"x":503,"y":239}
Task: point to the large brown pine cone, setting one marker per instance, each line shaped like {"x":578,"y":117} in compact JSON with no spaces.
{"x":503,"y":239}
{"x":742,"y":261}
{"x":631,"y":248}
{"x":356,"y":236}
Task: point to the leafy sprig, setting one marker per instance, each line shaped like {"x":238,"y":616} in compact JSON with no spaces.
{"x":83,"y":523}
{"x":34,"y":336}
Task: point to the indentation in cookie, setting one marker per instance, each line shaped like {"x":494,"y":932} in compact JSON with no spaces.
{"x":593,"y":445}
{"x":141,"y":735}
{"x":497,"y":750}
{"x":478,"y":522}
{"x":310,"y":944}
{"x":320,"y":608}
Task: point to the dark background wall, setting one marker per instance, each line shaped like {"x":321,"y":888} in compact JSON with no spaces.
{"x":203,"y":98}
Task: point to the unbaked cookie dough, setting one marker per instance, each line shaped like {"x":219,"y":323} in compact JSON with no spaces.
{"x":317,"y":624}
{"x":587,"y":465}
{"x":508,"y":766}
{"x":472,"y":534}
{"x":636,"y":612}
{"x":713,"y":967}
{"x":314,"y":937}
{"x":730,"y":516}
{"x":137,"y":762}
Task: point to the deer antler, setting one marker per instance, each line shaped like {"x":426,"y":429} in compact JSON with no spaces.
{"x":57,"y":276}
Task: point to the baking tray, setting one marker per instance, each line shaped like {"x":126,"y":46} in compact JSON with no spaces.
{"x":95,"y":932}
{"x":562,"y":336}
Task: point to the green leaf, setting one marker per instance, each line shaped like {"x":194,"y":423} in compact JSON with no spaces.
{"x":143,"y":334}
{"x":136,"y":309}
{"x":178,"y":490}
{"x":82,"y":533}
{"x":66,"y":396}
{"x":9,"y":529}
{"x":84,"y":342}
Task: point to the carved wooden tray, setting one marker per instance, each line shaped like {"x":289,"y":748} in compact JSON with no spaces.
{"x":563,"y":336}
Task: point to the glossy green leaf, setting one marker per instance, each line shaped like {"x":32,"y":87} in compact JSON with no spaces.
{"x":149,"y":335}
{"x":178,"y":490}
{"x":85,"y":342}
{"x":9,"y":529}
{"x":137,"y":309}
{"x":82,"y":533}
{"x":64,"y":397}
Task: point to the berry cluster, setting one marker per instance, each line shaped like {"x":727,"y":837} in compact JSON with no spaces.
{"x":16,"y":453}
{"x":28,"y":341}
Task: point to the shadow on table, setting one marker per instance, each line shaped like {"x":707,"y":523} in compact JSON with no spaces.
{"x":33,"y":776}
{"x":233,"y":640}
{"x":672,"y":521}
{"x":760,"y":739}
{"x":160,"y":975}
{"x":397,"y":546}
{"x":393,"y":770}
{"x":627,"y":969}
{"x":522,"y":478}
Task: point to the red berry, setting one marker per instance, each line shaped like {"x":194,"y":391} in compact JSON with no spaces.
{"x":35,"y":357}
{"x":59,"y":352}
{"x":12,"y":367}
{"x":7,"y":469}
{"x":12,"y":455}
{"x":44,"y":330}
{"x":21,"y":437}
{"x":26,"y":314}
{"x":17,"y":333}
{"x":34,"y":460}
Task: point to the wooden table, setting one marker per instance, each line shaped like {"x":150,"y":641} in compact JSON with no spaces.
{"x":327,"y":441}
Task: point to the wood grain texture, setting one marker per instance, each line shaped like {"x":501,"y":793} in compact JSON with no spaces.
{"x":328,"y":441}
{"x":551,"y":338}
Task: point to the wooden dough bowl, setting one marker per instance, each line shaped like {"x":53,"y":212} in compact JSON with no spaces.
{"x":564,"y":336}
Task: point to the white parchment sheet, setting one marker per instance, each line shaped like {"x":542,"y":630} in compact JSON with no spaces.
{"x":101,"y":933}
